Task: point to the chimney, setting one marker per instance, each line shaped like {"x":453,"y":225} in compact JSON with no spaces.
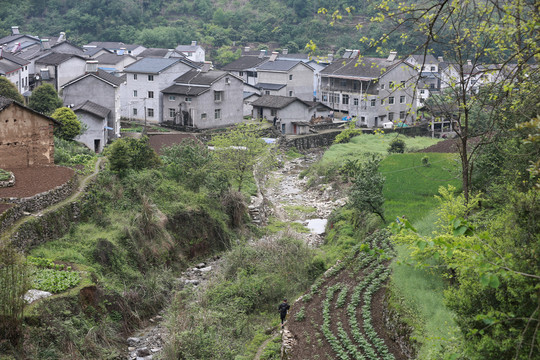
{"x":392,"y":56}
{"x":91,"y":66}
{"x":15,"y":30}
{"x":246,"y":49}
{"x":440,"y":59}
{"x":207,"y":66}
{"x":61,"y":38}
{"x":45,"y":44}
{"x":285,"y":51}
{"x":330,"y":57}
{"x":262,"y":54}
{"x":194,"y":43}
{"x":274,"y":56}
{"x":469,"y":62}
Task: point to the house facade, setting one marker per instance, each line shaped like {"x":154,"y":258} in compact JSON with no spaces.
{"x":96,"y":118}
{"x":145,"y":79}
{"x":193,"y":52}
{"x":103,"y":89}
{"x":15,"y":69}
{"x":245,"y":67}
{"x":58,"y":69}
{"x":204,"y":100}
{"x":286,"y":78}
{"x":26,"y":136}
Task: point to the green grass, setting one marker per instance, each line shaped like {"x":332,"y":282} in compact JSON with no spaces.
{"x":296,"y":211}
{"x":274,"y":226}
{"x":410,"y":187}
{"x":360,"y":145}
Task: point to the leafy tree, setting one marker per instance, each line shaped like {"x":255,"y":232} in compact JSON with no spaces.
{"x":397,"y":146}
{"x":8,"y":89}
{"x":128,"y":153}
{"x":71,"y":126}
{"x":225,"y":55}
{"x":45,"y":99}
{"x":238,"y":150}
{"x":366,"y":194}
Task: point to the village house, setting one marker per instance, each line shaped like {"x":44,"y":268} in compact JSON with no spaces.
{"x":193,"y":52}
{"x":145,"y":79}
{"x":293,"y":114}
{"x":246,"y":67}
{"x":26,"y":136}
{"x":96,"y":118}
{"x":58,"y":69}
{"x":113,"y":62}
{"x":286,"y":78}
{"x":117,"y":47}
{"x":15,"y":69}
{"x":102,"y":89}
{"x":203,"y":99}
{"x":250,"y":94}
{"x":161,"y":53}
{"x":375,"y":90}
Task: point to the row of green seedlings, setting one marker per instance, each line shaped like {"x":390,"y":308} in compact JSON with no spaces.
{"x":344,"y":347}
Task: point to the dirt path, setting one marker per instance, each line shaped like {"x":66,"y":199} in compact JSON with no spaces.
{"x":264,"y":344}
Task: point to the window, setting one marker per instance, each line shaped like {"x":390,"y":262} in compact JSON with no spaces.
{"x":432,"y":86}
{"x":391,"y":116}
{"x":402,"y":115}
{"x":188,"y":99}
{"x":403,"y":84}
{"x":432,"y":68}
{"x":391,"y":85}
{"x":355,"y":101}
{"x":391,"y":100}
{"x":134,"y":111}
{"x":290,"y":93}
{"x":382,"y":101}
{"x":290,"y":76}
{"x":241,"y":73}
{"x":203,"y":116}
{"x":266,"y":92}
{"x":345,"y":99}
{"x":373,"y":102}
{"x":334,"y":98}
{"x":134,"y":93}
{"x":172,"y":113}
{"x":273,"y":112}
{"x":150,"y":112}
{"x":134,"y":76}
{"x":422,"y":100}
{"x":402,"y":99}
{"x":218,"y":96}
{"x":355,"y":85}
{"x":150,"y":94}
{"x":217,"y":114}
{"x":343,"y":82}
{"x":422,"y":91}
{"x":150,"y":77}
{"x":227,"y":81}
{"x":324,"y":96}
{"x":382,"y":86}
{"x":172,"y":97}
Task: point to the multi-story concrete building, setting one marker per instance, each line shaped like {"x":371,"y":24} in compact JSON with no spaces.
{"x":58,"y":69}
{"x":193,"y":52}
{"x":203,"y":99}
{"x":15,"y":69}
{"x":145,"y":79}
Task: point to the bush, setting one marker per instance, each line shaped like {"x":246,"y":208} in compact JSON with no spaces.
{"x":4,"y":175}
{"x":136,"y":154}
{"x":71,"y":126}
{"x":397,"y":146}
{"x":346,"y":135}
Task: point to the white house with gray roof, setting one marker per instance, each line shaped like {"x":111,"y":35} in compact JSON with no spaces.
{"x":193,"y":52}
{"x":101,"y":88}
{"x":117,"y":47}
{"x":145,"y":79}
{"x":15,"y":69}
{"x":204,"y":99}
{"x":58,"y":69}
{"x":96,"y":118}
{"x":246,"y":67}
{"x":112,"y":62}
{"x":286,"y":78}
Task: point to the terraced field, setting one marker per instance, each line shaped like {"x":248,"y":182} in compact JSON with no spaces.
{"x":341,"y":317}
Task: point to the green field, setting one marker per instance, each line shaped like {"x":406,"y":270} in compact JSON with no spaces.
{"x":410,"y":186}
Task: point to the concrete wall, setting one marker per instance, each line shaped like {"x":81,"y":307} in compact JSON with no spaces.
{"x":95,"y":132}
{"x":26,"y":138}
{"x":301,"y":83}
{"x":231,"y":105}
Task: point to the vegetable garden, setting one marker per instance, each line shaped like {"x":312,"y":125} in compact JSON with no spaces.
{"x":337,"y":318}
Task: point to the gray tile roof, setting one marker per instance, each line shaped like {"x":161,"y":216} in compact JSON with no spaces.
{"x":185,"y":90}
{"x":111,"y":58}
{"x":8,"y":66}
{"x":153,"y":65}
{"x":102,"y":75}
{"x":5,"y":102}
{"x":297,"y":56}
{"x":365,"y":69}
{"x":56,"y":58}
{"x":91,"y":51}
{"x":244,"y":63}
{"x":13,"y":58}
{"x":430,"y":59}
{"x":160,"y":52}
{"x":267,"y":86}
{"x":10,"y":38}
{"x":276,"y":102}
{"x":187,"y":48}
{"x":113,"y":45}
{"x":93,"y":108}
{"x":279,"y":65}
{"x":200,"y":78}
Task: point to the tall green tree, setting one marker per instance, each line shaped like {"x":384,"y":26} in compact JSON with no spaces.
{"x":70,"y":124}
{"x":366,"y":194}
{"x":8,"y":89}
{"x":45,"y":100}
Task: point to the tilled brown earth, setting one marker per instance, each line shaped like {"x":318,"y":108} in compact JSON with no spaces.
{"x":30,"y":181}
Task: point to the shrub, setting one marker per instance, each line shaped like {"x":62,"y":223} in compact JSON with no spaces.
{"x":70,"y":125}
{"x":125,"y":154}
{"x":425,"y":161}
{"x":4,"y":175}
{"x":397,"y":146}
{"x":346,"y":135}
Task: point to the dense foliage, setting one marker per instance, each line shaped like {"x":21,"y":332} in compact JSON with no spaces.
{"x":70,"y":124}
{"x":44,"y":99}
{"x":8,"y":89}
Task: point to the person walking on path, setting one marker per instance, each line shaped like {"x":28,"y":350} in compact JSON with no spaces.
{"x":283,"y":308}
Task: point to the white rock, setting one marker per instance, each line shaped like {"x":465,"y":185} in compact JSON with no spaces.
{"x":206,"y":269}
{"x":34,"y":295}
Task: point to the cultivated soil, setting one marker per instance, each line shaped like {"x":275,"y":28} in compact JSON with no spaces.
{"x":445,"y":146}
{"x":30,"y":181}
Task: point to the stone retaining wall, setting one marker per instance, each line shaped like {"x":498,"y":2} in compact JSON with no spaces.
{"x":35,"y":203}
{"x":310,"y":141}
{"x":8,"y":183}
